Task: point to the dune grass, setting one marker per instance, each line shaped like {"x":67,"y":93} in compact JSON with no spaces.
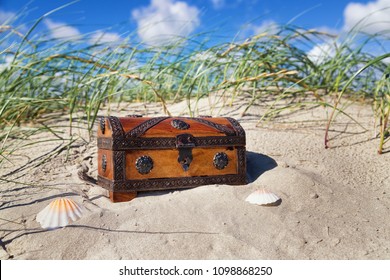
{"x":39,"y":75}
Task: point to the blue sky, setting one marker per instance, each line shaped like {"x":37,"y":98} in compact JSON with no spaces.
{"x":149,"y":19}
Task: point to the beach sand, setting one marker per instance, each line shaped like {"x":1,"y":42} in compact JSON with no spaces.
{"x":335,"y":202}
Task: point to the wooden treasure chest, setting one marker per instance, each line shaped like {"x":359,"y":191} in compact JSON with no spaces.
{"x":137,"y":153}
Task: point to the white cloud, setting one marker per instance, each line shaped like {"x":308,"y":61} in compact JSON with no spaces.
{"x":322,"y":52}
{"x":203,"y":56}
{"x":7,"y":62}
{"x":6,"y":16}
{"x":372,"y":17}
{"x":218,"y":4}
{"x":328,"y":30}
{"x":100,"y":37}
{"x":164,"y":20}
{"x":267,"y":26}
{"x":59,"y":30}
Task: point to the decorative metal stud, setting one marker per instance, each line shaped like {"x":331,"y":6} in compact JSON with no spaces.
{"x":103,"y":124}
{"x":179,"y":124}
{"x":220,"y":160}
{"x":144,"y":164}
{"x":104,"y":163}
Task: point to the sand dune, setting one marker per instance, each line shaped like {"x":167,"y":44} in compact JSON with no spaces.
{"x":335,"y":202}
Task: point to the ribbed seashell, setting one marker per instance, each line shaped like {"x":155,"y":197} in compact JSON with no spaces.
{"x":263,"y":197}
{"x":59,"y":213}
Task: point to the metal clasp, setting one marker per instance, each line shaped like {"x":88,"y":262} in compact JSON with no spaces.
{"x":185,"y":143}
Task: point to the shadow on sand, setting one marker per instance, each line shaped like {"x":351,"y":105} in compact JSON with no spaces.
{"x":257,"y":164}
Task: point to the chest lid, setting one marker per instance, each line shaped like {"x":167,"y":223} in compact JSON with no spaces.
{"x":135,"y":132}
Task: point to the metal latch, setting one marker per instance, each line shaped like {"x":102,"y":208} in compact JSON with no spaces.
{"x":185,"y":143}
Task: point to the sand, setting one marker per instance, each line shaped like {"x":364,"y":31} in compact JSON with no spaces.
{"x":335,"y":202}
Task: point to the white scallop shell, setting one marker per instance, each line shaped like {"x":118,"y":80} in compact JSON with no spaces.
{"x":262,"y":197}
{"x":59,"y":213}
